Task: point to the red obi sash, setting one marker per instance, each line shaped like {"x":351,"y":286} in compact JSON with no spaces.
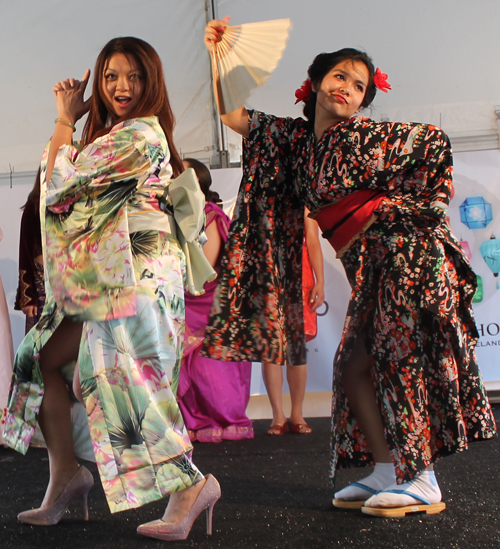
{"x":342,"y":222}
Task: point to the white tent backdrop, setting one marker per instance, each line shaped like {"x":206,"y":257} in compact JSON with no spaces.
{"x":44,"y":42}
{"x":441,"y":58}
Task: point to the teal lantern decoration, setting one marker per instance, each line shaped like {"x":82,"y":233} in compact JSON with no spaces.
{"x":478,"y":296}
{"x":476,"y":212}
{"x":490,"y":250}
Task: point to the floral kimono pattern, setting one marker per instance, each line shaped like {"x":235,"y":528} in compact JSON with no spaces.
{"x":257,"y":314}
{"x":31,"y":288}
{"x":412,"y":286}
{"x":112,"y":261}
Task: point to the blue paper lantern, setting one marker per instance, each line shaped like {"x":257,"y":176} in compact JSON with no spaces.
{"x":490,"y":250}
{"x":476,"y":212}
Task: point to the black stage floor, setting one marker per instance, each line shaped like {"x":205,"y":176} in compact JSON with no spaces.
{"x":275,"y":493}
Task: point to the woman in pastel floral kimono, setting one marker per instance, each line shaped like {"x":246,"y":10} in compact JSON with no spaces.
{"x":115,"y":272}
{"x":407,"y":390}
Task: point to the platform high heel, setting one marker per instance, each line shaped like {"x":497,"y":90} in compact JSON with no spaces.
{"x":78,"y":486}
{"x":170,"y":531}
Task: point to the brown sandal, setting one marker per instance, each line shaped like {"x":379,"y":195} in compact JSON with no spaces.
{"x":299,"y":428}
{"x":277,"y":429}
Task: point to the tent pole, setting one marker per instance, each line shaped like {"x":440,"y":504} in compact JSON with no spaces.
{"x":222,"y":153}
{"x":497,"y":112}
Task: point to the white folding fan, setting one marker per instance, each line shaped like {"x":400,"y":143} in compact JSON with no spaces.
{"x":245,"y":58}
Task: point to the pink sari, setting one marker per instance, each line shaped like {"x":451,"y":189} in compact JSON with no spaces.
{"x":213,"y":395}
{"x":6,"y":355}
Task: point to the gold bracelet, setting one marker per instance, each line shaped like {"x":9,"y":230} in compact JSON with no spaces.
{"x":66,"y":123}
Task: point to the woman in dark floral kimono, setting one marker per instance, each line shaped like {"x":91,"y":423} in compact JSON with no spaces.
{"x":406,"y":388}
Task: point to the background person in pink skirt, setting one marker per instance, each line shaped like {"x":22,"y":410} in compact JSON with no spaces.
{"x":6,"y":355}
{"x":213,"y":395}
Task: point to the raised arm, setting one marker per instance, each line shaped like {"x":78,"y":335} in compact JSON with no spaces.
{"x":70,"y":108}
{"x":238,"y":119}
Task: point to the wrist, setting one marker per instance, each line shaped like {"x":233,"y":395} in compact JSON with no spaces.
{"x":65,"y":122}
{"x":65,"y":115}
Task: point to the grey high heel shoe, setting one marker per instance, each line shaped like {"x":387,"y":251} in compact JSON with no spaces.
{"x":79,"y":485}
{"x":170,"y":531}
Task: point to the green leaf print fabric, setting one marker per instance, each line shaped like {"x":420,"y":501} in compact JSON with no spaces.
{"x":127,"y":286}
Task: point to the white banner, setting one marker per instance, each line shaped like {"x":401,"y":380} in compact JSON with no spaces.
{"x":475,"y":218}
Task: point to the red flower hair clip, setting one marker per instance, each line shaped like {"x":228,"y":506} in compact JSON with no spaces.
{"x":380,"y":81}
{"x":304,"y":92}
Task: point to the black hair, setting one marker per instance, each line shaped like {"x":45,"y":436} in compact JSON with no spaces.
{"x":325,"y":62}
{"x":205,"y":179}
{"x":35,"y":191}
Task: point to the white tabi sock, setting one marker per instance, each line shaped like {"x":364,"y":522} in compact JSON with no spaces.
{"x":423,"y":486}
{"x":383,"y":475}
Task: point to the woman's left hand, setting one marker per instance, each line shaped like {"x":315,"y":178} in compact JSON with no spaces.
{"x":316,"y":297}
{"x":69,"y":98}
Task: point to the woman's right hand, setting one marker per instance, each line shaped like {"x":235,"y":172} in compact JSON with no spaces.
{"x":238,"y":119}
{"x":69,"y":98}
{"x":214,"y":31}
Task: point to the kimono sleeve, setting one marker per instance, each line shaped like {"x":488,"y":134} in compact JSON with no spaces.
{"x":126,"y":154}
{"x":29,"y":247}
{"x":87,"y":250}
{"x":257,"y":310}
{"x":411,"y":162}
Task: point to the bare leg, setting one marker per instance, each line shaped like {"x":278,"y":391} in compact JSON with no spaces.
{"x":55,"y":411}
{"x":358,"y":387}
{"x":273,"y":380}
{"x":297,"y":379}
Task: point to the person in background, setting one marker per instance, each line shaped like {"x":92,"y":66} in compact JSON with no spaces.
{"x":212,"y":395}
{"x":313,"y":296}
{"x":30,"y":296}
{"x":6,"y":355}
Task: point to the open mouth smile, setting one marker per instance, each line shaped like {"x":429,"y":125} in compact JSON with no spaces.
{"x":123,"y":100}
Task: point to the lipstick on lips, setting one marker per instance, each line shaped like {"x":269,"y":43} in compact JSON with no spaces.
{"x":340,"y":98}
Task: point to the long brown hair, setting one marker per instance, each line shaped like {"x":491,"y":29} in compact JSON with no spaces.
{"x":154,"y":101}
